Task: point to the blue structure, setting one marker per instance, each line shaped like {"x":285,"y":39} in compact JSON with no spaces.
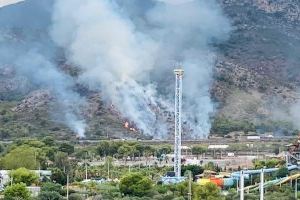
{"x":167,"y":180}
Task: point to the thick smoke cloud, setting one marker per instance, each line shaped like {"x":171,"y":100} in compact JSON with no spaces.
{"x":111,"y":53}
{"x":127,"y":48}
{"x":187,"y":30}
{"x":27,"y":47}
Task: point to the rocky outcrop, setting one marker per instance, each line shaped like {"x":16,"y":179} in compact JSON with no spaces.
{"x":36,"y":99}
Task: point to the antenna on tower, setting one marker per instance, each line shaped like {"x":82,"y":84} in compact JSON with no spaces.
{"x":178,"y":126}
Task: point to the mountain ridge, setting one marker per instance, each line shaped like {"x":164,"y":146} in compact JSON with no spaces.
{"x":255,"y":79}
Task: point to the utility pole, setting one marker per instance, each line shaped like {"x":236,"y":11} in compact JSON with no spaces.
{"x":242,"y":185}
{"x":296,"y":188}
{"x":107,"y":169}
{"x":261,"y":185}
{"x":86,"y":169}
{"x":286,"y":159}
{"x":68,"y":186}
{"x":190,"y":186}
{"x":35,"y":162}
{"x":237,"y":185}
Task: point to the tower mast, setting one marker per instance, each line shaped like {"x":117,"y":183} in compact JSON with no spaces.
{"x":178,"y":128}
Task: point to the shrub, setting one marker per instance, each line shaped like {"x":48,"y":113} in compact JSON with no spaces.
{"x":16,"y":191}
{"x":49,"y":195}
{"x":135,"y":184}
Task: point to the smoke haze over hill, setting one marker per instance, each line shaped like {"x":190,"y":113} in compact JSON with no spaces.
{"x":101,"y":64}
{"x":125,"y":54}
{"x":26,"y":46}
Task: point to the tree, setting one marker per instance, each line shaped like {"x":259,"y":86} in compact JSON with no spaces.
{"x":103,"y":149}
{"x":22,"y":156}
{"x":163,"y":150}
{"x":284,"y":192}
{"x":198,"y":150}
{"x":61,"y":160}
{"x":58,"y":176}
{"x":82,"y":154}
{"x":2,"y":148}
{"x":49,"y":141}
{"x":23,"y":175}
{"x":139,"y":149}
{"x":67,"y":148}
{"x":49,"y":152}
{"x":258,"y":164}
{"x":16,"y":191}
{"x":223,"y":126}
{"x":33,"y":143}
{"x":211,"y":166}
{"x":148,"y":151}
{"x":125,"y":151}
{"x":208,"y":191}
{"x":195,"y":169}
{"x":135,"y":184}
{"x":282,"y":172}
{"x":5,"y":133}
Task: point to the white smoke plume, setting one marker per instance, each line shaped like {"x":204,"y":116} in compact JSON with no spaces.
{"x":44,"y":73}
{"x":286,"y":112}
{"x":126,"y":49}
{"x":26,"y":47}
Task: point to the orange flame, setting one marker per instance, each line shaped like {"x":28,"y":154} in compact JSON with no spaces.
{"x":126,"y":125}
{"x":129,"y":127}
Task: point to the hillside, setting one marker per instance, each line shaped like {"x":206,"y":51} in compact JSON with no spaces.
{"x":257,"y":76}
{"x":255,"y":80}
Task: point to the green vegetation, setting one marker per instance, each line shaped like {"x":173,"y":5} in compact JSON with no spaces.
{"x":195,"y":169}
{"x":23,"y":175}
{"x":16,"y":191}
{"x":51,"y":191}
{"x":110,"y":160}
{"x":271,"y":163}
{"x":282,"y":172}
{"x":22,"y":156}
{"x":49,"y":195}
{"x":198,"y":150}
{"x":135,"y":184}
{"x":283,"y":127}
{"x":276,"y":192}
{"x":223,"y":126}
{"x":54,"y":187}
{"x":75,"y":197}
{"x":208,"y":191}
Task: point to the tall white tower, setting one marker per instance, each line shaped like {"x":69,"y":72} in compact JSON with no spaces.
{"x":178,"y":128}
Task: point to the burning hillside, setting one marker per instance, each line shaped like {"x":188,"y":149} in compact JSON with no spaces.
{"x":108,"y":66}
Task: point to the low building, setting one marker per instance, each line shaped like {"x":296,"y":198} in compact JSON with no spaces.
{"x":218,"y":146}
{"x":253,"y":137}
